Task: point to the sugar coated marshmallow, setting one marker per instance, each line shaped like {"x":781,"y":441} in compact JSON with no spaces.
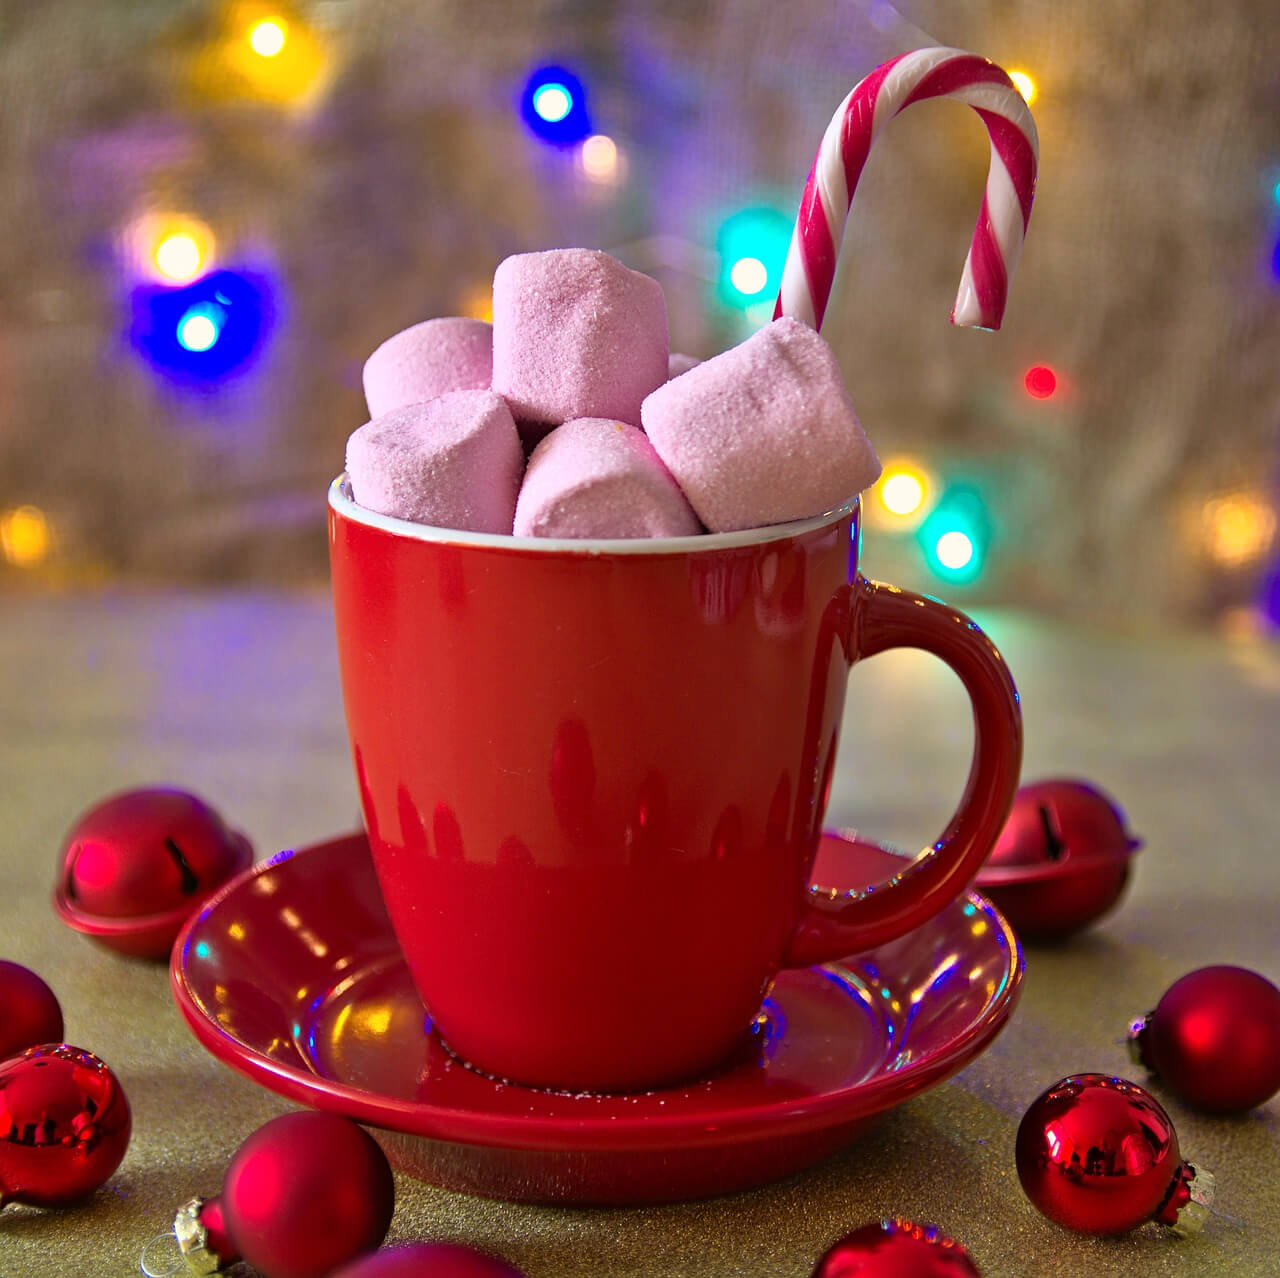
{"x":595,"y":477}
{"x":454,"y":462}
{"x":576,"y":334}
{"x":427,"y":360}
{"x":762,"y":433}
{"x":678,"y":363}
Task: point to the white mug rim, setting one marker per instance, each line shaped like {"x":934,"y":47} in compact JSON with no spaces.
{"x":342,"y":503}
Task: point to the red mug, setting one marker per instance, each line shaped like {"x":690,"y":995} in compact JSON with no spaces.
{"x":594,"y":774}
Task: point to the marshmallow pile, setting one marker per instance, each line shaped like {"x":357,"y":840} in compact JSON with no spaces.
{"x":570,"y":417}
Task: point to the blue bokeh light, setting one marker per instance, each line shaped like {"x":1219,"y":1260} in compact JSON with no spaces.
{"x":205,"y":331}
{"x":752,"y":245}
{"x":554,"y":106}
{"x":955,"y":536}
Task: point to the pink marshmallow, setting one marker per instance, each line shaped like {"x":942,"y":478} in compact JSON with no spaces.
{"x":576,"y":334}
{"x":677,"y":364}
{"x":596,"y":477}
{"x":454,"y":462}
{"x":427,"y":360}
{"x":763,"y":433}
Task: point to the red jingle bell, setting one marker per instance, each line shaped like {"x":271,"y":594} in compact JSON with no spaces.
{"x":64,"y":1125}
{"x":1099,"y":1155}
{"x":1061,"y":861}
{"x":29,"y":1011}
{"x":896,"y":1248}
{"x":1214,"y":1038}
{"x":429,"y":1260}
{"x":307,"y":1193}
{"x":134,"y":867}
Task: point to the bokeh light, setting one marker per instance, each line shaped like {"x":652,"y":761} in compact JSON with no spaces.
{"x":1238,"y":528}
{"x":205,"y":331}
{"x":25,"y":536}
{"x":1040,"y":381}
{"x":955,"y":536}
{"x":1025,"y":85}
{"x":752,"y":244}
{"x":599,"y":158}
{"x":170,"y":247}
{"x":267,"y":37}
{"x":554,"y":106}
{"x":749,"y":275}
{"x":901,"y":495}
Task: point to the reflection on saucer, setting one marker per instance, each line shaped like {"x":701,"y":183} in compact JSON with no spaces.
{"x":292,"y":976}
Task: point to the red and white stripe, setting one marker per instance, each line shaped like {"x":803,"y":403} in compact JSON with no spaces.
{"x":1006,"y":203}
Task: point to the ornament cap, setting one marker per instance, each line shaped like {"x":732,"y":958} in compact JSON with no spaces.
{"x":193,"y":1238}
{"x":1200,"y":1186}
{"x":1136,"y":1039}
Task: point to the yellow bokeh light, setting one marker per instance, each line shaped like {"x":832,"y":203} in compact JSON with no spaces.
{"x":267,"y":38}
{"x":1025,"y":85}
{"x":598,"y":157}
{"x":902,"y":494}
{"x":178,"y":257}
{"x":477,"y":303}
{"x":24,"y":536}
{"x":1238,"y":528}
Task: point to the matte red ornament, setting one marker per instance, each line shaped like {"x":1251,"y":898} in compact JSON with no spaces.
{"x":1214,"y":1039}
{"x":135,"y":866}
{"x":1099,"y":1155}
{"x":64,"y":1125}
{"x":307,"y":1193}
{"x":1061,"y":861}
{"x":29,"y":1011}
{"x":429,"y":1260}
{"x":896,"y":1248}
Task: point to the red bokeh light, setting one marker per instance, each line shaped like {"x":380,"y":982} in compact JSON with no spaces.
{"x":1041,"y":381}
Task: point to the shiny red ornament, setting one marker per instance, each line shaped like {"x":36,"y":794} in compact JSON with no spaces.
{"x":307,"y":1193}
{"x":429,"y":1260}
{"x":1061,"y":861}
{"x":135,"y":866}
{"x":29,"y":1011}
{"x":1099,"y":1155}
{"x":1214,"y":1039}
{"x":896,"y":1248}
{"x":64,"y":1125}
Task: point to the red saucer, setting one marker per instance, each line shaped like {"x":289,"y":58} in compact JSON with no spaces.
{"x":291,"y":975}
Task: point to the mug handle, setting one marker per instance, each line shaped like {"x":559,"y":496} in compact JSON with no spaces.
{"x":834,"y":923}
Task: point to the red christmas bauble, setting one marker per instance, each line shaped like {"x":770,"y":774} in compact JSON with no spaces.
{"x":429,"y":1260}
{"x":1100,"y":1156}
{"x":307,"y":1193}
{"x":1214,"y":1038}
{"x":1061,"y":861}
{"x":29,"y":1012}
{"x":64,"y":1125}
{"x":896,"y":1249}
{"x":135,"y":866}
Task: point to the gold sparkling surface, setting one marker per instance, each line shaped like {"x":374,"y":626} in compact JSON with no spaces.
{"x":235,"y":697}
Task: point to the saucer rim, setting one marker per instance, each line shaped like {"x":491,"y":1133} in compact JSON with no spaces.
{"x":592,"y":1133}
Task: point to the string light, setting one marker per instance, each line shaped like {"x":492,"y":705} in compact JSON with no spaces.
{"x":1237,"y":528}
{"x":955,"y":536}
{"x":266,"y":38}
{"x":752,"y":244}
{"x":25,"y":537}
{"x":554,"y":106}
{"x":206,"y":330}
{"x":599,"y":158}
{"x":169,"y":247}
{"x":902,"y":494}
{"x":1025,"y":85}
{"x":1040,"y":381}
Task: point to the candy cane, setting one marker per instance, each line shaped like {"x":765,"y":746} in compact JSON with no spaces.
{"x":1006,"y":204}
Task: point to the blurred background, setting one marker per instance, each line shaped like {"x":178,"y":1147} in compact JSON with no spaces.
{"x":212,"y":213}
